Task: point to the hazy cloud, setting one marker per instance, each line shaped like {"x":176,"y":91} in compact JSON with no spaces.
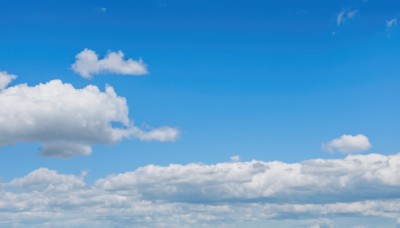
{"x":235,"y":158}
{"x":88,"y":63}
{"x":348,"y":144}
{"x":345,"y":15}
{"x":66,"y":120}
{"x":391,"y":23}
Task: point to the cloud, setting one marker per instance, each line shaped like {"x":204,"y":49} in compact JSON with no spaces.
{"x":87,"y":64}
{"x":235,"y":158}
{"x":391,"y":23}
{"x":6,"y":79}
{"x":44,"y":179}
{"x":242,"y":194}
{"x":348,"y":144}
{"x":305,"y":182}
{"x":66,"y":120}
{"x":345,"y":15}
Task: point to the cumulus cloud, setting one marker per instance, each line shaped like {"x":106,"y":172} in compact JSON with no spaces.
{"x":66,"y":120}
{"x":345,"y":15}
{"x":391,"y":23}
{"x":44,"y":179}
{"x":308,"y":181}
{"x":5,"y":79}
{"x":243,"y":194}
{"x":88,"y":63}
{"x":348,"y":144}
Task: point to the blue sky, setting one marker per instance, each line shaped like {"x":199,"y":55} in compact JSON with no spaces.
{"x":264,"y":80}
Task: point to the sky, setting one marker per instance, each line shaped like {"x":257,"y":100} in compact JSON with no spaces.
{"x":165,"y":113}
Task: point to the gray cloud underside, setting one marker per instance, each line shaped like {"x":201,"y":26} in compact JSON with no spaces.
{"x":225,"y":193}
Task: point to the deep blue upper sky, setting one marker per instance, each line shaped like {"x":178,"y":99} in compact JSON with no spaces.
{"x":268,"y":80}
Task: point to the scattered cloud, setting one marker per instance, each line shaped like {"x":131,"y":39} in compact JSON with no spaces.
{"x":255,"y":192}
{"x":235,"y":158}
{"x":5,"y":79}
{"x":88,"y":63}
{"x":348,"y":144}
{"x":66,"y":120}
{"x":345,"y":15}
{"x":103,"y":9}
{"x":391,"y":23}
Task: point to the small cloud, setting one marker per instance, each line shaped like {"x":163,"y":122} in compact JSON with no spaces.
{"x":344,"y":15}
{"x":88,"y":64}
{"x":391,"y":23}
{"x":103,"y":9}
{"x":235,"y":158}
{"x":5,"y":79}
{"x":347,"y":144}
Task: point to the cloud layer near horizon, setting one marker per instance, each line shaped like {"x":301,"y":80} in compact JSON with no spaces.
{"x":66,"y":120}
{"x":223,"y":193}
{"x":88,"y":63}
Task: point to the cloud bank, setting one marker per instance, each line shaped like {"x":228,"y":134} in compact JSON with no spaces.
{"x":231,"y":193}
{"x":348,"y":144}
{"x":67,"y":120}
{"x":88,"y":63}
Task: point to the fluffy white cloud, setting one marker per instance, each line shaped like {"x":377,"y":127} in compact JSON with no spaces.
{"x":391,"y":23}
{"x":88,"y":63}
{"x":345,"y":15}
{"x":308,"y":181}
{"x":44,"y":179}
{"x":5,"y":79}
{"x":239,"y":194}
{"x":348,"y":144}
{"x":66,"y":120}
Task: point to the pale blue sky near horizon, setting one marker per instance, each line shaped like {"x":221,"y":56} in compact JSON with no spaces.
{"x":265,"y":80}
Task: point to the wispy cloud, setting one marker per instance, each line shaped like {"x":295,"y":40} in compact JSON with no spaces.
{"x":235,"y":158}
{"x":345,"y":15}
{"x":223,"y":193}
{"x":391,"y":23}
{"x":67,"y":120}
{"x":88,"y":64}
{"x":348,"y":144}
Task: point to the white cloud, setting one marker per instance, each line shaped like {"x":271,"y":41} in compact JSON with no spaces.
{"x":345,"y":15}
{"x":66,"y":120}
{"x":308,"y":182}
{"x":88,"y":64}
{"x":239,"y":194}
{"x":44,"y":179}
{"x":6,"y":79}
{"x":348,"y":144}
{"x":391,"y":23}
{"x":235,"y":158}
